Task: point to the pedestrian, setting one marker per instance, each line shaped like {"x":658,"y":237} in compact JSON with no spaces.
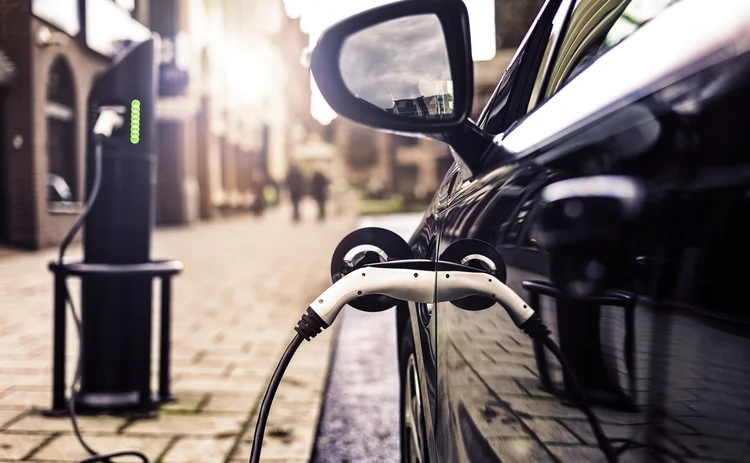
{"x":319,"y":191}
{"x":257,"y":187}
{"x":295,"y":182}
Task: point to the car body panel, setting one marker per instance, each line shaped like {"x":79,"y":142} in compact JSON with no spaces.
{"x":683,"y":392}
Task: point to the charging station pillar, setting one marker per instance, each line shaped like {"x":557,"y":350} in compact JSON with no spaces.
{"x":117,"y":312}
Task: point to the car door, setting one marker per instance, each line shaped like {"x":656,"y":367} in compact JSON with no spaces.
{"x":458,"y":214}
{"x":419,"y":389}
{"x":499,"y":397}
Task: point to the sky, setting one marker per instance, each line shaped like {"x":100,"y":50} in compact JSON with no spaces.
{"x":318,"y":14}
{"x":379,"y":65}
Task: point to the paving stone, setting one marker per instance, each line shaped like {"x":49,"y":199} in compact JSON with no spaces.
{"x":583,"y":453}
{"x":520,"y":450}
{"x":67,"y":448}
{"x":281,"y":442}
{"x":551,"y":432}
{"x":239,"y":404}
{"x":185,"y":402}
{"x":246,"y":283}
{"x":17,"y":446}
{"x":63,"y":424}
{"x":711,"y":447}
{"x":199,"y":450}
{"x":502,"y":385}
{"x":8,"y":415}
{"x":16,"y":399}
{"x":715,"y":428}
{"x":41,"y":379}
{"x":194,"y":370}
{"x":582,"y":429}
{"x":290,"y":431}
{"x":197,"y":425}
{"x":543,"y":408}
{"x":270,"y":460}
{"x":218,"y":384}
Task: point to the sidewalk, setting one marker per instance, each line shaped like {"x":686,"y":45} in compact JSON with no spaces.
{"x":245,"y":284}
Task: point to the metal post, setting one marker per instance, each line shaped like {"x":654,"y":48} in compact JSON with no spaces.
{"x":165,"y":340}
{"x":59,"y":403}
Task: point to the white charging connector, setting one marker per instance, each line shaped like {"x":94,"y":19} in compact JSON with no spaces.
{"x":415,"y":280}
{"x":110,"y":118}
{"x":419,"y":286}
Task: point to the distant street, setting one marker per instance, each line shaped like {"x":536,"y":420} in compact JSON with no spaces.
{"x":360,"y":418}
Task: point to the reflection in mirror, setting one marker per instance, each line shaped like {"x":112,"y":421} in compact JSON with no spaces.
{"x":401,"y":66}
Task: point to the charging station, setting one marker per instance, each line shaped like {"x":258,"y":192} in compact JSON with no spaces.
{"x":117,"y":271}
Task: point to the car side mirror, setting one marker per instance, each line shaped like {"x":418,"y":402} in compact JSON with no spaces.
{"x":404,"y":67}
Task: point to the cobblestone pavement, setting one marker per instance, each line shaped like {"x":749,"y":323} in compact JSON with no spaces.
{"x":246,"y":282}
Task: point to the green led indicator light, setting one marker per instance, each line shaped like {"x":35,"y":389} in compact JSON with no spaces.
{"x":135,"y":122}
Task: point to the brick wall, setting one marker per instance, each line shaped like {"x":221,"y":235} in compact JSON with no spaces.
{"x":30,"y":224}
{"x":15,"y":40}
{"x":513,"y":19}
{"x":84,"y":65}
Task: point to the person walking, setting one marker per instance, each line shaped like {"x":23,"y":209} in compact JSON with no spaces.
{"x":319,"y":191}
{"x":257,"y":187}
{"x":295,"y":182}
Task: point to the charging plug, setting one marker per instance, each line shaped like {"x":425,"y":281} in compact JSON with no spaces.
{"x":110,"y":118}
{"x":411,"y":280}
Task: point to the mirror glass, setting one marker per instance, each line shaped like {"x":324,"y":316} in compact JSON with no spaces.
{"x":401,"y":66}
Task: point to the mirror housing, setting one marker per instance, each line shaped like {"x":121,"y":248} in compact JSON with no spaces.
{"x":326,"y":66}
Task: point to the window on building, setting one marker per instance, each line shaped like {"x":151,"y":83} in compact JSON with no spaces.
{"x":59,"y":111}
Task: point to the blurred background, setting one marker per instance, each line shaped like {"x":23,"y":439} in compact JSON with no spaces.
{"x":236,"y":107}
{"x":246,"y":148}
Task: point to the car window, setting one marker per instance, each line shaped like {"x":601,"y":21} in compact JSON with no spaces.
{"x":513,"y":92}
{"x":596,"y":26}
{"x":550,"y":52}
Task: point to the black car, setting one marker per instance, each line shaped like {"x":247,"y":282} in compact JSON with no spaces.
{"x":611,"y":170}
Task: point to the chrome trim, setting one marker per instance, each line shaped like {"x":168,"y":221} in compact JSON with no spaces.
{"x":358,"y":252}
{"x":484,"y":259}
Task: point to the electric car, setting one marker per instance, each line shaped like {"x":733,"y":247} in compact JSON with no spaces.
{"x":611,"y":170}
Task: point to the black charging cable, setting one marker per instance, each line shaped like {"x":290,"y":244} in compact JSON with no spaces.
{"x":80,"y":221}
{"x":265,"y":405}
{"x":310,"y":325}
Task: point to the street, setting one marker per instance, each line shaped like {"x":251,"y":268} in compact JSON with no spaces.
{"x":360,"y":417}
{"x":245,"y":284}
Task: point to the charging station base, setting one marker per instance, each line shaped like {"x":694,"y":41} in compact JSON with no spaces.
{"x":106,"y":402}
{"x":127,"y":410}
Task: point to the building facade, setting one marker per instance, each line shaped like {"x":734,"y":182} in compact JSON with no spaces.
{"x":233,"y":99}
{"x":56,"y":47}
